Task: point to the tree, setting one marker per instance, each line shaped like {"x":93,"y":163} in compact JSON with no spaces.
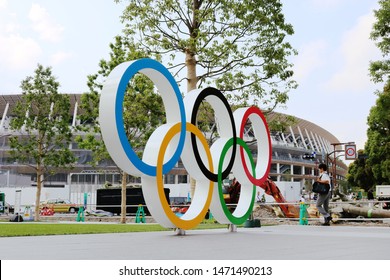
{"x":237,"y":46}
{"x":143,"y":108}
{"x":42,"y":118}
{"x":378,"y":133}
{"x":380,"y":70}
{"x":360,"y":173}
{"x":378,"y":142}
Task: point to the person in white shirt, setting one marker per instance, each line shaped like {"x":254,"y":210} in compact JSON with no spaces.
{"x":258,"y":197}
{"x":323,"y":199}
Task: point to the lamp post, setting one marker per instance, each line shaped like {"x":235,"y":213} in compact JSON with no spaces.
{"x":334,"y":160}
{"x":1,"y":136}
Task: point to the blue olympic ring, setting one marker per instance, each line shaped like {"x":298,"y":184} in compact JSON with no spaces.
{"x":134,"y":68}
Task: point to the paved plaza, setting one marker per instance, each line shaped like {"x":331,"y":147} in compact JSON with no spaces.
{"x":283,"y":242}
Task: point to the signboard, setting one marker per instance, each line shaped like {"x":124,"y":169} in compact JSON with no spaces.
{"x":350,"y":152}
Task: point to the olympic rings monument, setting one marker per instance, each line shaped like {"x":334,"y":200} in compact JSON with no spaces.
{"x":179,"y":138}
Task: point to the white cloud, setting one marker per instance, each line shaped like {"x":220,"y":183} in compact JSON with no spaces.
{"x":310,"y":57}
{"x":356,"y":52}
{"x":59,"y":57}
{"x":3,"y":4}
{"x":327,"y":4}
{"x":42,"y":22}
{"x":18,"y":53}
{"x":11,"y":27}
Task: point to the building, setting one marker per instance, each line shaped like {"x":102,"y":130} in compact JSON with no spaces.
{"x":295,"y":156}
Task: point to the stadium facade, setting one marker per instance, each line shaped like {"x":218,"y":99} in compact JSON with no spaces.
{"x":296,"y":153}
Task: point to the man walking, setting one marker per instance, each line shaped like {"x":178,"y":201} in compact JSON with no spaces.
{"x":323,"y":198}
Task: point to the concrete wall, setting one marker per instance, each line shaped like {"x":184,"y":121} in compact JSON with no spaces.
{"x":12,"y":180}
{"x":28,"y":194}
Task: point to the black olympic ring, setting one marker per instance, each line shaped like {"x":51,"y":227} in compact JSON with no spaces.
{"x":202,"y":95}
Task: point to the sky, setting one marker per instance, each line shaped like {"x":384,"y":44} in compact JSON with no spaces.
{"x":331,"y":37}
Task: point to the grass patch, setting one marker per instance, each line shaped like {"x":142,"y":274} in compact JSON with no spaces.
{"x":37,"y":229}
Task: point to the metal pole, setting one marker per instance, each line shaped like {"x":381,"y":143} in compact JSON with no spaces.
{"x":334,"y":166}
{"x":334,"y":160}
{"x":7,"y":178}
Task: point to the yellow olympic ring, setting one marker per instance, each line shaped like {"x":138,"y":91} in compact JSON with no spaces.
{"x":193,"y":216}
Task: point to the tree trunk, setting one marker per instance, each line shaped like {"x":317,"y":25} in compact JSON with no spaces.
{"x":191,"y":84}
{"x":366,"y":212}
{"x":123,"y":202}
{"x":191,"y":71}
{"x":38,"y":194}
{"x":341,"y":195}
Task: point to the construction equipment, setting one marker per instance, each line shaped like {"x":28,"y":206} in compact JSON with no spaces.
{"x":383,"y":194}
{"x":48,"y":211}
{"x":140,"y":215}
{"x":80,"y":215}
{"x":303,"y":214}
{"x":270,"y":188}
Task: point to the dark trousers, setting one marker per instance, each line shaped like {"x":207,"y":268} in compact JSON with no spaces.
{"x":323,"y":204}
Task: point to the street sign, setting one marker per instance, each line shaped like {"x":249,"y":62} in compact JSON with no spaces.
{"x":350,"y":152}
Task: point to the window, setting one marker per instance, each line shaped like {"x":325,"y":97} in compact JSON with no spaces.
{"x":274,"y":167}
{"x":308,"y":170}
{"x":169,"y":179}
{"x":182,"y":179}
{"x":297,"y":170}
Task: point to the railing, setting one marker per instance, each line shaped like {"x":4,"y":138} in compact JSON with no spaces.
{"x":359,"y":210}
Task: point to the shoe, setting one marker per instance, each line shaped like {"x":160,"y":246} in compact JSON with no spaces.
{"x":326,"y":224}
{"x":328,"y":219}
